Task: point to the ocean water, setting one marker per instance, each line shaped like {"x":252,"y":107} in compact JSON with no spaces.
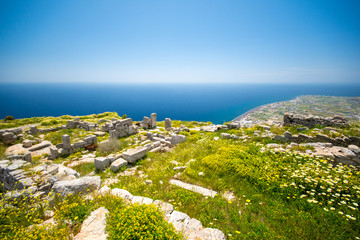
{"x":199,"y":102}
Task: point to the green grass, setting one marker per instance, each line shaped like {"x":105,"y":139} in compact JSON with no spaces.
{"x":84,"y":169}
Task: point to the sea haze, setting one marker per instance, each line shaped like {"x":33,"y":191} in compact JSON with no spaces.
{"x":213,"y":102}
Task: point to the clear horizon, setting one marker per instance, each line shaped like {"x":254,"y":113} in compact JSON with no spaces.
{"x":180,"y":41}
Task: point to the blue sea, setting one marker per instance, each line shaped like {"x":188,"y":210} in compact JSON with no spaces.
{"x":200,"y":102}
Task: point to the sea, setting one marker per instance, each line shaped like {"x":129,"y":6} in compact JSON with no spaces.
{"x":217,"y":103}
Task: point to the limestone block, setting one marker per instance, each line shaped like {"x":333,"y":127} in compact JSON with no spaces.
{"x":66,"y":142}
{"x":101,"y":163}
{"x":153,"y":120}
{"x":167,"y":124}
{"x":79,"y":185}
{"x":118,"y":164}
{"x":133,"y":155}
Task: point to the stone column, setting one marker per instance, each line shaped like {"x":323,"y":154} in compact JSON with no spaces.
{"x":167,"y":124}
{"x":153,"y":120}
{"x":66,"y":142}
{"x":146,"y":123}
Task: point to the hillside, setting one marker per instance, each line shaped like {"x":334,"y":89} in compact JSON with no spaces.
{"x":108,"y":177}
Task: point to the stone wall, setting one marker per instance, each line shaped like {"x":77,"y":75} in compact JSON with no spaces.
{"x":312,"y":121}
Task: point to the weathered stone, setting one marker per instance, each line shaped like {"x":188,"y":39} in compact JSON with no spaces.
{"x":311,"y":121}
{"x":176,"y":139}
{"x":165,"y":207}
{"x":153,"y":120}
{"x":54,"y":153}
{"x":179,"y":220}
{"x":93,"y":228}
{"x":167,"y":124}
{"x":79,"y":185}
{"x":142,"y":200}
{"x":101,"y":163}
{"x":146,"y":123}
{"x":225,"y":135}
{"x":39,"y":146}
{"x":34,"y":130}
{"x":279,"y":138}
{"x":26,"y":143}
{"x":66,"y":142}
{"x":122,"y":193}
{"x":192,"y":229}
{"x":118,"y":164}
{"x":288,"y":135}
{"x":194,"y":188}
{"x":210,"y":234}
{"x":355,"y":149}
{"x":133,"y":155}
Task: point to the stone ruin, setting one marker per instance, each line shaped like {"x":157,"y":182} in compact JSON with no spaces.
{"x":167,"y":124}
{"x":120,"y":128}
{"x":149,"y":123}
{"x":312,"y":121}
{"x":9,"y":136}
{"x":66,"y":147}
{"x":81,"y":124}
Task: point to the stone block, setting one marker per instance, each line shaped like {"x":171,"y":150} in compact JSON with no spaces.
{"x":118,"y":164}
{"x":133,"y":155}
{"x":101,"y":163}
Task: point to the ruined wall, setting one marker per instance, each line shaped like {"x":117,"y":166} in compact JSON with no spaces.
{"x":312,"y":121}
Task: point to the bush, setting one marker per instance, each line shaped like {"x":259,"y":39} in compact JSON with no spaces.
{"x":139,"y":222}
{"x":124,"y":116}
{"x":113,"y":145}
{"x":9,"y":118}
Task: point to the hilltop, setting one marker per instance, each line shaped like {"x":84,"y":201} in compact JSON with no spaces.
{"x":103,"y":176}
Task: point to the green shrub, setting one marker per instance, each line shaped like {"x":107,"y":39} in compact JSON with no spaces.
{"x":139,"y":222}
{"x":9,"y":118}
{"x":124,"y":116}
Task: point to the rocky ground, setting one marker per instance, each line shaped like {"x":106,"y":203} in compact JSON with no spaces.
{"x":173,"y":165}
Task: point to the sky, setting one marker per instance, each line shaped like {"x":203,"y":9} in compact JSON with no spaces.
{"x":180,"y":41}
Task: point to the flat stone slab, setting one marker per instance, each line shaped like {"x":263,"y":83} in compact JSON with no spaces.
{"x":133,"y":155}
{"x":39,"y":146}
{"x":117,"y":164}
{"x":194,"y":188}
{"x":93,"y":228}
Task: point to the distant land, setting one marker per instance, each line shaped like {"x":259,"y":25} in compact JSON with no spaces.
{"x":323,"y":106}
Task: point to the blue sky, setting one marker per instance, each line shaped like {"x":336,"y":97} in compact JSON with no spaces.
{"x":187,"y":41}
